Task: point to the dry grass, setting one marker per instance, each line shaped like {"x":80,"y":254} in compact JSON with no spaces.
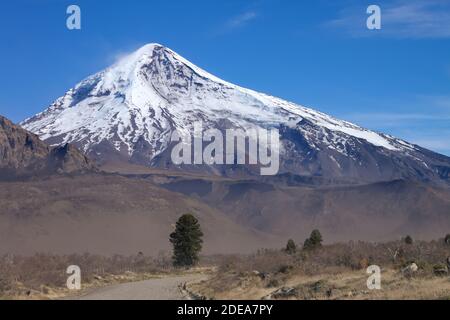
{"x":44,"y":276}
{"x":333,"y":272}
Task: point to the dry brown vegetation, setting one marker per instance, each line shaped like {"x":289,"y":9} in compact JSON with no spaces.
{"x":335,"y":271}
{"x":44,"y":276}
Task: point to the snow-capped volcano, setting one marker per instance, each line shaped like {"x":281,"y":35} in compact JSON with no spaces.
{"x":130,"y":110}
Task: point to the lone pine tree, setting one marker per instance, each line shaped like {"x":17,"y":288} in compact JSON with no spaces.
{"x":186,"y":240}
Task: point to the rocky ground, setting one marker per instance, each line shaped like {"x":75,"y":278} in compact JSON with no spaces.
{"x":407,"y":271}
{"x":340,"y":286}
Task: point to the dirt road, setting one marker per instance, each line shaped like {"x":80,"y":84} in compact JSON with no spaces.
{"x":165,"y":288}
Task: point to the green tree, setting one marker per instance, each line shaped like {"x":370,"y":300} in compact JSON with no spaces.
{"x":291,"y":247}
{"x":408,"y":239}
{"x":314,"y":241}
{"x":316,"y":238}
{"x":307,"y":244}
{"x":186,"y":240}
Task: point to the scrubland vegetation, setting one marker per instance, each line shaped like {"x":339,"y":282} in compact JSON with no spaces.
{"x":44,"y":276}
{"x":409,"y":270}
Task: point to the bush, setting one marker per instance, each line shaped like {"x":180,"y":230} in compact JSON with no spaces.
{"x":291,"y":247}
{"x":314,"y":241}
{"x":285,"y":268}
{"x":440,"y":269}
{"x":408,"y":240}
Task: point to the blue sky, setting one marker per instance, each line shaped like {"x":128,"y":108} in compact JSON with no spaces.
{"x":316,"y":53}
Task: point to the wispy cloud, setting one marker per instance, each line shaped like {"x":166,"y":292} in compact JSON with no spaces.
{"x":395,"y":120}
{"x":439,"y":143}
{"x":426,"y":130}
{"x":425,"y":121}
{"x":436,"y":140}
{"x":418,"y":107}
{"x":441,"y":101}
{"x":400,"y":19}
{"x":241,"y":20}
{"x":397,"y":116}
{"x":235,"y":23}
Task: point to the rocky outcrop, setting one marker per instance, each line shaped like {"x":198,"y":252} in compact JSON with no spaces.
{"x":19,"y":148}
{"x":22,"y":154}
{"x":68,"y":158}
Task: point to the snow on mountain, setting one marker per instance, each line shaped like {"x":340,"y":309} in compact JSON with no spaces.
{"x":132,"y":108}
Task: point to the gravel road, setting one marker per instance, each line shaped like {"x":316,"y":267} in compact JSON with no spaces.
{"x":166,"y":288}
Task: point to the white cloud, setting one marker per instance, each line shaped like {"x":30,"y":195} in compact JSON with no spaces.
{"x":424,"y":121}
{"x":435,"y":140}
{"x":438,"y":143}
{"x":442,"y":101}
{"x":394,"y":120}
{"x":235,"y":23}
{"x":400,"y":19}
{"x":400,"y":116}
{"x":241,"y":20}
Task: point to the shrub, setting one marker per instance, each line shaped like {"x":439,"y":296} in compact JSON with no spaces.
{"x":440,"y":269}
{"x":314,"y":241}
{"x":291,"y":247}
{"x":408,"y":240}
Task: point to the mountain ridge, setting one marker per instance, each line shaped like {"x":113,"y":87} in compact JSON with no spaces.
{"x":128,"y":111}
